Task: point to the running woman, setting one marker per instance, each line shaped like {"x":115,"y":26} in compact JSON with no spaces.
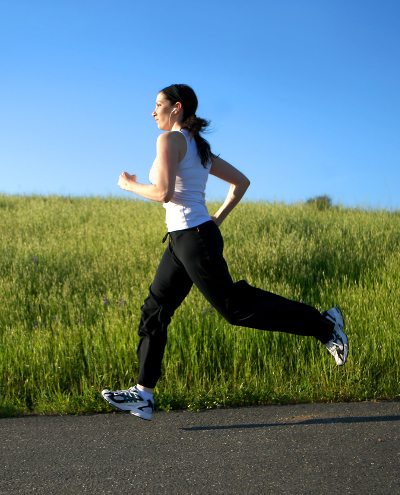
{"x":194,"y":254}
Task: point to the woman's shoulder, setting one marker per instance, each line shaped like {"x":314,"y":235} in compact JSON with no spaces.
{"x":171,"y":138}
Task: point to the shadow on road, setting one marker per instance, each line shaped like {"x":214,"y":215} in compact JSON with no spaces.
{"x":294,"y":422}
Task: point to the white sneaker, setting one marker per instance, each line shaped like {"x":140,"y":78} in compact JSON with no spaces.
{"x":130,"y":400}
{"x":338,"y":346}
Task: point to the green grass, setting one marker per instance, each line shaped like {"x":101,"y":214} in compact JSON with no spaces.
{"x":74,"y":273}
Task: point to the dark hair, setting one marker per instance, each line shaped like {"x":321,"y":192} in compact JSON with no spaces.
{"x":185,"y":95}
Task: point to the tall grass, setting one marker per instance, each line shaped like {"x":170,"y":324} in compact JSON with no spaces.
{"x":74,"y":273}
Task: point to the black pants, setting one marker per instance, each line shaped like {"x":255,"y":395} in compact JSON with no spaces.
{"x":196,"y":256}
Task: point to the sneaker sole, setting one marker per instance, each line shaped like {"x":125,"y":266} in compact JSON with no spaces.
{"x":144,"y":416}
{"x":341,"y":334}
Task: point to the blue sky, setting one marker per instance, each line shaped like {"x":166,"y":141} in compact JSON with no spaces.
{"x":303,"y":95}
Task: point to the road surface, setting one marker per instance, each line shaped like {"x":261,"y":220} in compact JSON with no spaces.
{"x":351,"y":448}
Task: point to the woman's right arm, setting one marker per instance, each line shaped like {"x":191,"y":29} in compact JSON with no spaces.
{"x":238,"y":186}
{"x":171,"y":146}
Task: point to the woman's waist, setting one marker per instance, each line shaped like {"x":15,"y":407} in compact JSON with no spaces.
{"x":188,"y":197}
{"x":191,"y":203}
{"x":179,"y":217}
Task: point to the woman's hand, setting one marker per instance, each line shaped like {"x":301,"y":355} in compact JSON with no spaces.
{"x":125,"y":180}
{"x":216,"y":220}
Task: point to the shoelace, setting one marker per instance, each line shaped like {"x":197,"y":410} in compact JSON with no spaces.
{"x":129,"y":394}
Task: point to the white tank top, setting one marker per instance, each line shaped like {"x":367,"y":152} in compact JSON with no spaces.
{"x":187,"y":207}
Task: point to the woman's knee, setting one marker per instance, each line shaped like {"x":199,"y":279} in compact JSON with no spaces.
{"x":239,"y":303}
{"x":156,"y":315}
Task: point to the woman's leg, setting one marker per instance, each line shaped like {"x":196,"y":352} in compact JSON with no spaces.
{"x":170,"y":287}
{"x":256,"y":308}
{"x":201,"y":253}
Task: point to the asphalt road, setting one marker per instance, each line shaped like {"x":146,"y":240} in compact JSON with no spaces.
{"x":319,"y":449}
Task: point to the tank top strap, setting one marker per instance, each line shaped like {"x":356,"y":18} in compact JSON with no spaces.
{"x":189,"y":141}
{"x":185,"y":132}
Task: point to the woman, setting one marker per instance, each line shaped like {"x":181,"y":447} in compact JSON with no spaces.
{"x":194,"y":254}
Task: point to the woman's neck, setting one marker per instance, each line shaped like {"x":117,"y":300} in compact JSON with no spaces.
{"x":176,"y":127}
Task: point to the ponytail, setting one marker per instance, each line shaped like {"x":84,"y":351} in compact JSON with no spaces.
{"x":195,"y":125}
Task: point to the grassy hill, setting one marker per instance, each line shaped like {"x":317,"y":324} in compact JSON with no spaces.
{"x":74,"y":273}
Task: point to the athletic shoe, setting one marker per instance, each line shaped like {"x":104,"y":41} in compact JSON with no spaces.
{"x":130,"y":400}
{"x":338,"y":346}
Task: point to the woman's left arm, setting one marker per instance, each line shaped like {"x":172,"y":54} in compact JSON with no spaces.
{"x":169,"y":152}
{"x":238,"y":186}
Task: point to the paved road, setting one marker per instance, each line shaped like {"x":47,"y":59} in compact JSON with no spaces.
{"x":297,"y":449}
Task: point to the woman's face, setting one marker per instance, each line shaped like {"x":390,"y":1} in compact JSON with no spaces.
{"x":163,"y":113}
